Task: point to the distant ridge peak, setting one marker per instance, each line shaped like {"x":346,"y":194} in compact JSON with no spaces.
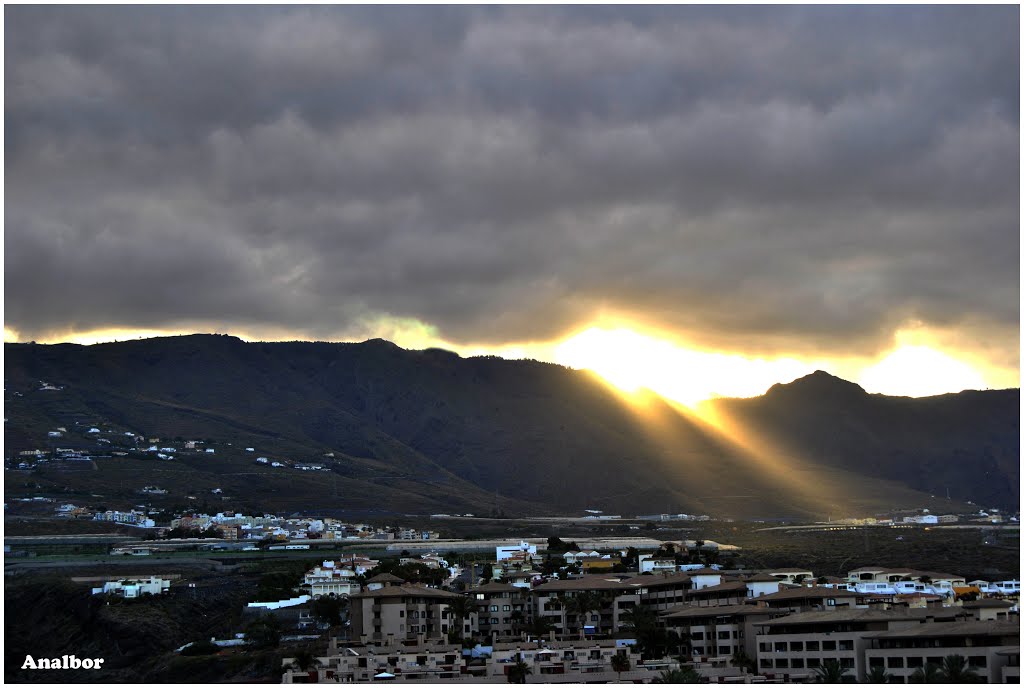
{"x":818,"y":382}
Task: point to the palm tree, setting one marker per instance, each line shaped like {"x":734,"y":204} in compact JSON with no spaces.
{"x":955,"y":670}
{"x":460,"y":609}
{"x":517,"y":620}
{"x":620,"y":663}
{"x":929,"y":673}
{"x":681,"y":675}
{"x":831,"y":672}
{"x":742,"y":661}
{"x":582,"y":604}
{"x":304,"y":661}
{"x":518,"y":672}
{"x":877,"y":675}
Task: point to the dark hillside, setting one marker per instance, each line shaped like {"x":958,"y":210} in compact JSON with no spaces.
{"x":429,"y":431}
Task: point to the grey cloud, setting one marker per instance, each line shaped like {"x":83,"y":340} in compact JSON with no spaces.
{"x":809,"y":177}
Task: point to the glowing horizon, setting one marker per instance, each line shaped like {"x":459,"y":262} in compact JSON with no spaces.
{"x":631,"y":359}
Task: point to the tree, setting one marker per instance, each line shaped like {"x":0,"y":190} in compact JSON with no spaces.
{"x":877,"y":675}
{"x":328,"y":609}
{"x":581,"y":604}
{"x":741,"y":660}
{"x":461,"y":608}
{"x":518,"y":672}
{"x":620,"y":663}
{"x":264,"y":631}
{"x":304,"y":660}
{"x":929,"y":673}
{"x":955,"y":670}
{"x":653,"y":641}
{"x":831,"y":671}
{"x":541,"y":625}
{"x":681,"y":675}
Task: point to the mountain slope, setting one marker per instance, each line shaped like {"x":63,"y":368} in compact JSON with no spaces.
{"x":427,"y":431}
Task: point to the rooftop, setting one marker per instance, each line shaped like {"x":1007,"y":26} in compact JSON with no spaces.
{"x":957,"y":628}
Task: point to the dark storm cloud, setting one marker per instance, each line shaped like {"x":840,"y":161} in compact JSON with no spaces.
{"x":802,"y":175}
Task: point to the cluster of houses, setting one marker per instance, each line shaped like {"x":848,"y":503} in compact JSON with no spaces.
{"x":786,"y":621}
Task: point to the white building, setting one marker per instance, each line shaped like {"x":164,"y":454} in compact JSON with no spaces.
{"x":135,"y":587}
{"x":507,"y":551}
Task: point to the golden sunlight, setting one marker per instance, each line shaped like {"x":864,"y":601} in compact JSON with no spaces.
{"x":919,"y":371}
{"x":631,"y":361}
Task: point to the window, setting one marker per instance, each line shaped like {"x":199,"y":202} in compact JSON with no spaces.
{"x":894,"y":662}
{"x":846,"y":645}
{"x":506,"y":608}
{"x":781,"y":663}
{"x":723,"y":635}
{"x":401,"y":614}
{"x":813,"y":662}
{"x":698,"y":650}
{"x":494,"y":620}
{"x":828,"y":645}
{"x":763,"y":647}
{"x":830,"y":602}
{"x":846,"y":662}
{"x":977,"y":661}
{"x":915,"y":662}
{"x":796,"y":663}
{"x":766,"y":663}
{"x":699,"y":635}
{"x":812,"y":645}
{"x":494,"y":607}
{"x":876,"y":662}
{"x":796,"y":646}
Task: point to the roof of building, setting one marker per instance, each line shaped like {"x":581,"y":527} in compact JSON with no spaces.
{"x":730,"y":586}
{"x":988,"y":603}
{"x":705,"y":572}
{"x":407,"y":591}
{"x":801,"y":593}
{"x":847,"y":614}
{"x":956,"y":628}
{"x":684,"y":611}
{"x":595,"y":582}
{"x":787,"y":570}
{"x":762,"y":578}
{"x":386,"y":578}
{"x":657,"y":579}
{"x":494,"y":586}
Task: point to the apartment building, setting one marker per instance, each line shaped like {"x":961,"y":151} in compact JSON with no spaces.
{"x":352,"y":663}
{"x":1011,"y":670}
{"x":502,"y":609}
{"x":331,"y":579}
{"x":617,"y":595}
{"x":718,"y":631}
{"x":551,"y":600}
{"x":575,"y":661}
{"x":811,"y":599}
{"x":791,"y":647}
{"x":401,"y":612}
{"x":986,"y":645}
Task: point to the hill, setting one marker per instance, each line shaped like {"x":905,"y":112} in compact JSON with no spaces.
{"x":429,"y":431}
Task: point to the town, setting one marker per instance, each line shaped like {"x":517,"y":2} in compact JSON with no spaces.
{"x":446,"y":597}
{"x":405,"y":604}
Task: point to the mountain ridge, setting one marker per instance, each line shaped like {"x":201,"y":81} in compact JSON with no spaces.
{"x":513,"y":436}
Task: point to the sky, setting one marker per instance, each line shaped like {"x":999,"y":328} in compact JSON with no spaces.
{"x":703,"y":200}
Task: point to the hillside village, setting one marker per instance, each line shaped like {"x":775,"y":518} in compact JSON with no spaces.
{"x":548,"y":611}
